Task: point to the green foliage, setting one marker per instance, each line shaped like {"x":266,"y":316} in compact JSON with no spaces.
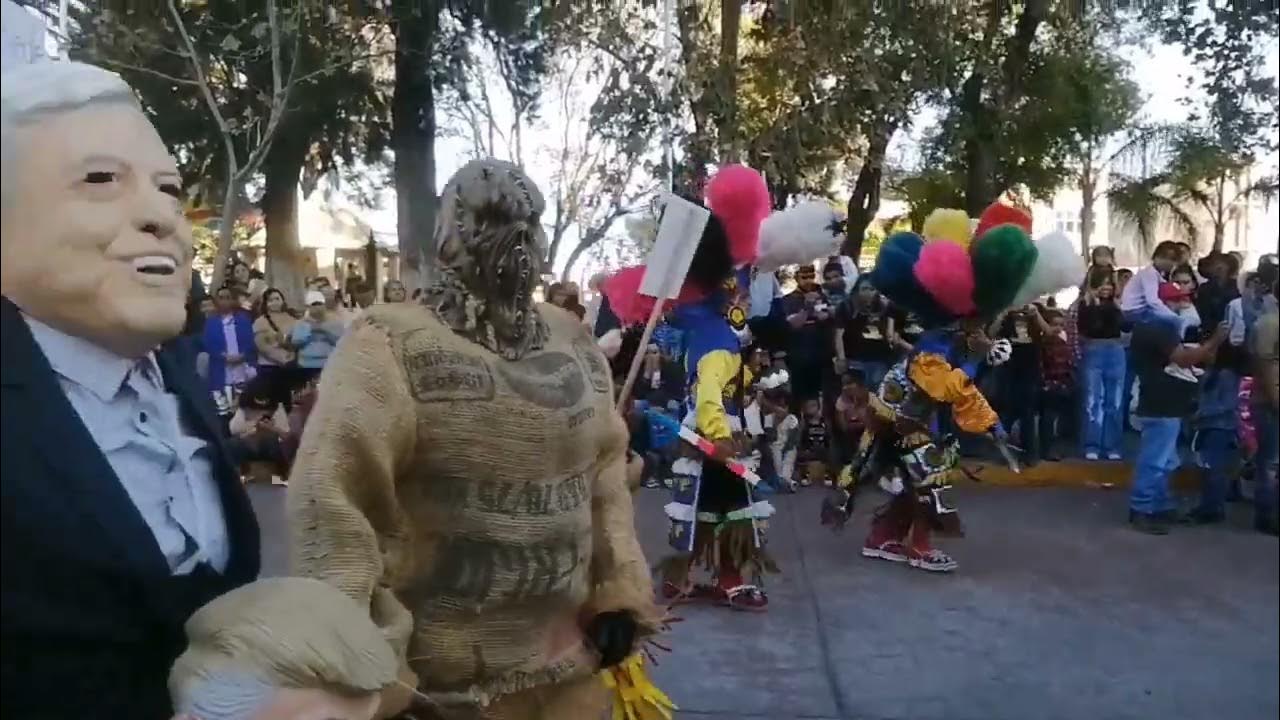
{"x":826,"y":85}
{"x":1227,"y":42}
{"x":1150,"y":206}
{"x":926,"y":191}
{"x":1073,"y":91}
{"x":337,"y":112}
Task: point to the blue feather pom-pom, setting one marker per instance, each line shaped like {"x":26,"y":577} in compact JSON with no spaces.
{"x":893,"y":277}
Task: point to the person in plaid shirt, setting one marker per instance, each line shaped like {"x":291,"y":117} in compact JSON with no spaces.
{"x":1058,"y":383}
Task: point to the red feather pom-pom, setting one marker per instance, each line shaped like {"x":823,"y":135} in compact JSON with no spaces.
{"x":997,"y":213}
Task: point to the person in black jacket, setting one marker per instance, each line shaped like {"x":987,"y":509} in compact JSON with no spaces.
{"x":121,"y":513}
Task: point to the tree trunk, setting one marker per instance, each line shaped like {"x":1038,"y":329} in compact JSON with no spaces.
{"x":574,"y":256}
{"x":281,"y":171}
{"x":981,"y":147}
{"x":413,"y":140}
{"x":1088,"y":193}
{"x":727,"y":105}
{"x":779,"y":194}
{"x":1220,"y":216}
{"x":226,"y":232}
{"x":864,"y":203}
{"x":699,"y":151}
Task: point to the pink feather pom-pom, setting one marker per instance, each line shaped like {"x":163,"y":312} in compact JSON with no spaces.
{"x":945,"y":273}
{"x":629,"y":305}
{"x":740,"y":200}
{"x":623,"y":290}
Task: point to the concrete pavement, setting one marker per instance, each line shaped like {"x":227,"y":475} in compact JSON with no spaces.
{"x":1058,"y":611}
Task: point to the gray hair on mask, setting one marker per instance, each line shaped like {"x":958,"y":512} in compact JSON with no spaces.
{"x":227,"y":695}
{"x":30,"y":92}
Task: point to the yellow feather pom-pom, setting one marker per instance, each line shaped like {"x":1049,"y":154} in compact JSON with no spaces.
{"x":635,"y":697}
{"x":948,"y":224}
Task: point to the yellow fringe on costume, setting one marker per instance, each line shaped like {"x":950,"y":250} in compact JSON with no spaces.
{"x":635,"y":697}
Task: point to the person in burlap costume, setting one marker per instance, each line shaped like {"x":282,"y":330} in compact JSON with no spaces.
{"x":463,"y":475}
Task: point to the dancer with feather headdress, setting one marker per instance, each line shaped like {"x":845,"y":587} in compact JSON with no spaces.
{"x":955,"y":286}
{"x":717,"y":521}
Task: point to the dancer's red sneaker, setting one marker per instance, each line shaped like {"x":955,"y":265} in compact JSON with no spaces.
{"x":931,"y":559}
{"x":748,"y":598}
{"x":891,"y":550}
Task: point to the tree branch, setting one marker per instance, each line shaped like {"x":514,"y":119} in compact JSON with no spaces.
{"x":307,"y":77}
{"x":280,"y":88}
{"x":148,"y":71}
{"x":194,"y":58}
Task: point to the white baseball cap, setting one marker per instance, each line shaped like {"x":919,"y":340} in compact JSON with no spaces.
{"x":315,"y":297}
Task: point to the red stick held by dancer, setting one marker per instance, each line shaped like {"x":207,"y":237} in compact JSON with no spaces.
{"x":704,"y":445}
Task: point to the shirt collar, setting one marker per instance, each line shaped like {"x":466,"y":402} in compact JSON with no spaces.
{"x":90,"y":366}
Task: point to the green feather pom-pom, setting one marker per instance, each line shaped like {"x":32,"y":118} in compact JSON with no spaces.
{"x":1002,"y":259}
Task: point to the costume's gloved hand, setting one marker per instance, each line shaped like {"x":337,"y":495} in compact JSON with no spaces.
{"x":1001,"y":439}
{"x":836,"y":508}
{"x":614,"y":635}
{"x":1000,"y":352}
{"x":998,"y":433}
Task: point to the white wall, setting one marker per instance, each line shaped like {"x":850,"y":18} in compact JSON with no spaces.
{"x":22,"y":36}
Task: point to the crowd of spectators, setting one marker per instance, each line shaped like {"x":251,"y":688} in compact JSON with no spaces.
{"x":1072,"y":388}
{"x":261,"y":357}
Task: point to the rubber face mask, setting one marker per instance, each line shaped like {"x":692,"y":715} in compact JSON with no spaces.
{"x":491,"y":250}
{"x":251,"y":654}
{"x":94,"y":240}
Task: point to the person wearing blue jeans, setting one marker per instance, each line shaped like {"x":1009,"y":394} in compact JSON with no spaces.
{"x":1266,"y":497}
{"x":1099,"y":321}
{"x":1215,"y":443}
{"x":1104,"y":374}
{"x":1157,"y":458}
{"x":1167,"y":396}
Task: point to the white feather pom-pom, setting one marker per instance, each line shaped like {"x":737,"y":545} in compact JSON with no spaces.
{"x":610,"y":343}
{"x":1058,"y":267}
{"x":774,"y":380}
{"x":799,"y":234}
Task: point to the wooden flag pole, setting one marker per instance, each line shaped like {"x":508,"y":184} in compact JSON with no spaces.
{"x":634,"y":370}
{"x":679,"y":228}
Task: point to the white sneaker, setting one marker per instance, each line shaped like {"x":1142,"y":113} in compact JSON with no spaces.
{"x":1091,"y":456}
{"x":1115,"y":456}
{"x":1185,"y":374}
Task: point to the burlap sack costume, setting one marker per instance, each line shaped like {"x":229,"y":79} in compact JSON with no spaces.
{"x":464,"y":475}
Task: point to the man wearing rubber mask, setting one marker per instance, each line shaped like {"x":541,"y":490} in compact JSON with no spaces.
{"x":121,"y":515}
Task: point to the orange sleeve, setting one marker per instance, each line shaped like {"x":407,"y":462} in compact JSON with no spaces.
{"x":935,"y":376}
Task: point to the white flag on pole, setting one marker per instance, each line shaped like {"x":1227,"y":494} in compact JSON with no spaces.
{"x":679,"y":229}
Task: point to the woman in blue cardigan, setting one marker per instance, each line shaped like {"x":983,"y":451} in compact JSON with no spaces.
{"x":228,"y":339}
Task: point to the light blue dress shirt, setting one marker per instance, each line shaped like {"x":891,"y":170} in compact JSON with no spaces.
{"x":165,"y":469}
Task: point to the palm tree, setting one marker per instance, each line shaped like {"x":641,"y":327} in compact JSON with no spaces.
{"x":1195,"y":177}
{"x":1208,"y":177}
{"x":1148,"y":204}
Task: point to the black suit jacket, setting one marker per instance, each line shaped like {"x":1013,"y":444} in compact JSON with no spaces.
{"x":91,"y":618}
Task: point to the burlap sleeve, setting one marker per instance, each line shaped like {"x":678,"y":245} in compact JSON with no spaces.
{"x":619,"y":574}
{"x":346,"y":526}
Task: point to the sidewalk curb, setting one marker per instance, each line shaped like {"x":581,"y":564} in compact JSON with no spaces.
{"x":1102,"y":475}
